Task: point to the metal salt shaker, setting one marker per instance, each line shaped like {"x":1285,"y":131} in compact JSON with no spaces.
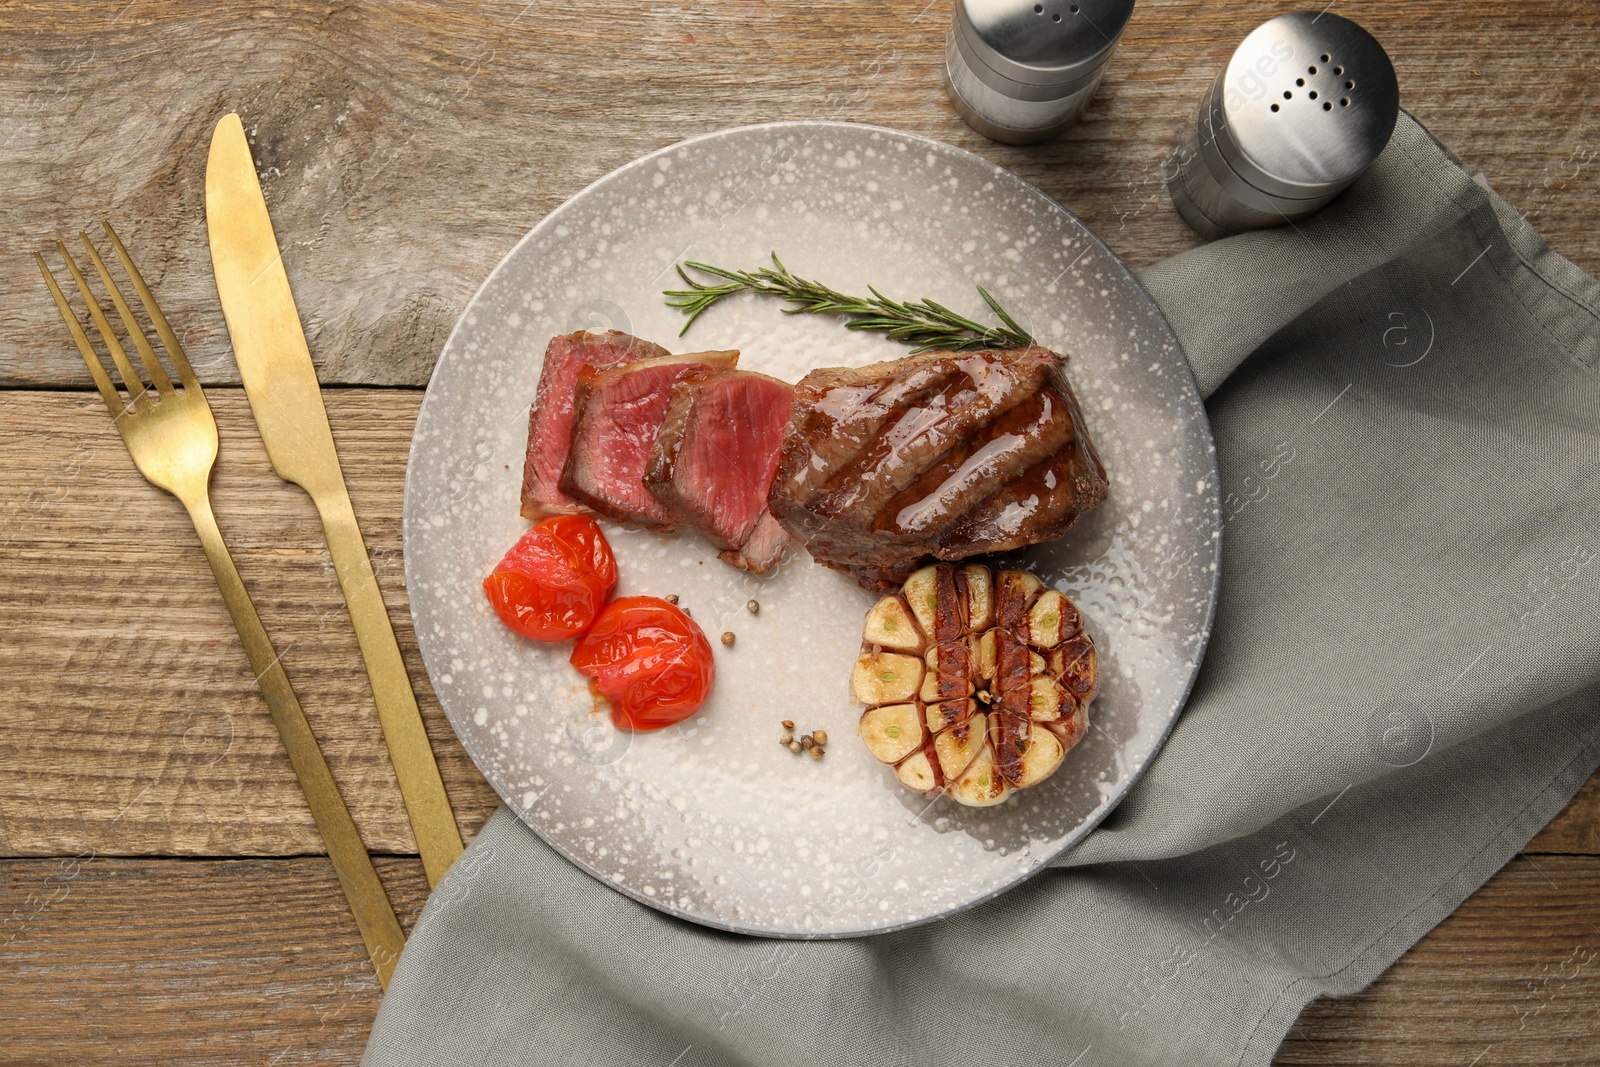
{"x":1307,"y":102}
{"x":1021,"y":71}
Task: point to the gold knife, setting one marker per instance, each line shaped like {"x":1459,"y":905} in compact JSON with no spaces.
{"x":284,"y":395}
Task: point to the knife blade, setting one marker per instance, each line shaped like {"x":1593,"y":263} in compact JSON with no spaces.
{"x":280,"y":382}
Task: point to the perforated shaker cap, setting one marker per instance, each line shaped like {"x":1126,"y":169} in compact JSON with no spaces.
{"x":1038,"y":49}
{"x":1307,"y":102}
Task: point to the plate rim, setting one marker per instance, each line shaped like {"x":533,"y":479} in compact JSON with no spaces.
{"x":1079,"y":833}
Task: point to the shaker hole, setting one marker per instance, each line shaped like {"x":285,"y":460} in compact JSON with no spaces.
{"x":1313,"y":94}
{"x":1311,"y":70}
{"x":1056,"y":17}
{"x":1328,"y":106}
{"x":1287,"y":95}
{"x":1299,"y":81}
{"x":1345,"y":102}
{"x":1274,"y":107}
{"x":1338,"y":70}
{"x":1073,"y":9}
{"x":1038,"y":9}
{"x":1326,"y":57}
{"x":1350,"y":85}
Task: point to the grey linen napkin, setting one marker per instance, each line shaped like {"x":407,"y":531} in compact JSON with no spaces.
{"x":1401,"y":689}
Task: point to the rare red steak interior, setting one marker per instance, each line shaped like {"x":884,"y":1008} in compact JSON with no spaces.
{"x":617,"y":412}
{"x":550,"y":418}
{"x":713,"y":461}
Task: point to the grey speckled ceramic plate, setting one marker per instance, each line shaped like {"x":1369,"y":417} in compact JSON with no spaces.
{"x":712,"y":820}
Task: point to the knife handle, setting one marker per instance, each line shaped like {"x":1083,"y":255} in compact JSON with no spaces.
{"x":432,"y":820}
{"x":368,"y":901}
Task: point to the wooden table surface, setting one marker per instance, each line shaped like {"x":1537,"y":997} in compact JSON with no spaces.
{"x":163,"y":896}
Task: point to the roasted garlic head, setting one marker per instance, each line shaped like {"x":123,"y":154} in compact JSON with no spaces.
{"x":975,"y":684}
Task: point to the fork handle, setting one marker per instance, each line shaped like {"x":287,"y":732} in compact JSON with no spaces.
{"x":374,"y":914}
{"x":428,"y":806}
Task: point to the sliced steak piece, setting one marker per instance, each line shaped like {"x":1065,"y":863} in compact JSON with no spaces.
{"x":713,"y":461}
{"x":942,"y":455}
{"x":764,"y":547}
{"x":550,"y":418}
{"x":617,"y":412}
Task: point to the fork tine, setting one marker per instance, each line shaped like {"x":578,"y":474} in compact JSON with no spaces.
{"x":130,"y":377}
{"x":168,"y":338}
{"x":97,"y":370}
{"x":147,"y":355}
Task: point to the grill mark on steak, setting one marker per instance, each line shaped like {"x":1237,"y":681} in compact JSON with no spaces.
{"x":937,"y":407}
{"x":1007,"y":519}
{"x":977,"y":467}
{"x":841,"y":421}
{"x":940,"y":455}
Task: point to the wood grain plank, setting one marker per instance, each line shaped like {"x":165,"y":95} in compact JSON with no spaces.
{"x":134,"y":726}
{"x":252,"y":962}
{"x":405,"y":146}
{"x":259,"y":963}
{"x":1575,"y":830}
{"x":1513,"y":977}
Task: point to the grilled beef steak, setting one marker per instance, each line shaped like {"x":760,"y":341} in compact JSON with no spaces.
{"x":550,"y":418}
{"x":713,"y":460}
{"x":617,"y":412}
{"x":941,"y":455}
{"x":763,"y":548}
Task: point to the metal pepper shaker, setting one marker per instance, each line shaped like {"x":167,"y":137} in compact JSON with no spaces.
{"x":1021,"y":71}
{"x":1305,"y":104}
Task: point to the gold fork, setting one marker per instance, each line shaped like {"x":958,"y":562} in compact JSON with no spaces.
{"x":172,"y":437}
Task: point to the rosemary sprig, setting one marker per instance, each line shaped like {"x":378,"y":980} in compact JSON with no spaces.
{"x":923,"y":324}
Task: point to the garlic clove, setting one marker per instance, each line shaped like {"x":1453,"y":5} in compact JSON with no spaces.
{"x":889,"y":625}
{"x":1074,"y":662}
{"x":980,"y":597}
{"x":916,"y":773}
{"x":886,"y":678}
{"x":1051,"y":620}
{"x":959,"y":745}
{"x":1041,"y":758}
{"x":891,"y":732}
{"x":949,"y":713}
{"x":980,"y":785}
{"x":1047,"y":701}
{"x":921,"y":597}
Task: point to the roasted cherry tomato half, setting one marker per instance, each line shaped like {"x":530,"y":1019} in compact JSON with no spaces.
{"x":555,"y":580}
{"x":649,"y":660}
